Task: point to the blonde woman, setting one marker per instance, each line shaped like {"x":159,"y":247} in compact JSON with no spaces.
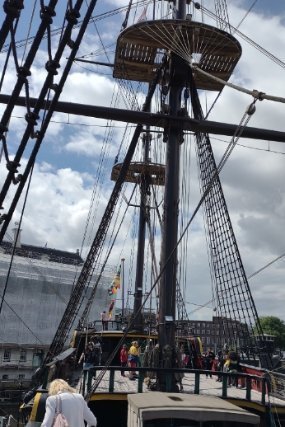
{"x":74,"y":407}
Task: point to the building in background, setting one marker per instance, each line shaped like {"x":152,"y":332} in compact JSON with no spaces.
{"x":214,"y":333}
{"x":36,"y":294}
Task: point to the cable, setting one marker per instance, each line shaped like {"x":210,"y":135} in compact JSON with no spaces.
{"x":266,"y":266}
{"x":246,"y":38}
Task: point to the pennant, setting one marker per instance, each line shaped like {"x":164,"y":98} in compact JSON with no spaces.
{"x":113,"y":290}
{"x":143,"y":16}
{"x":111,"y":309}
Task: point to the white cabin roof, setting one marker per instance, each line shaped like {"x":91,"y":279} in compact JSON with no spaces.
{"x":154,"y":405}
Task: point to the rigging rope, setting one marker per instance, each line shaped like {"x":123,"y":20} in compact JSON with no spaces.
{"x":247,"y":13}
{"x":206,"y":192}
{"x":86,"y":311}
{"x":222,"y":14}
{"x":266,"y":266}
{"x":29,"y":30}
{"x":254,"y":93}
{"x":246,"y":38}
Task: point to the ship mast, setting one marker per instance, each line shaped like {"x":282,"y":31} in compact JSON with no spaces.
{"x":167,"y":297}
{"x":144,"y":188}
{"x":138,"y":53}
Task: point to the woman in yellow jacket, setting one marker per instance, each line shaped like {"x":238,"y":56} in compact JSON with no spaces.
{"x":133,"y":359}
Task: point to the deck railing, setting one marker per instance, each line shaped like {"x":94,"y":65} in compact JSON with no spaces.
{"x":245,"y":382}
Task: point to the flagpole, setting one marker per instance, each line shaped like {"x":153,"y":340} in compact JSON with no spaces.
{"x":123,"y":287}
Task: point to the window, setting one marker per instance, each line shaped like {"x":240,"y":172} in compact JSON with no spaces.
{"x":5,"y":377}
{"x":21,"y":376}
{"x":38,"y":358}
{"x":23,"y":355}
{"x":7,"y":355}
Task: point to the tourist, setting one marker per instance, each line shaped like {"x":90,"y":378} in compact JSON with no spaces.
{"x":104,"y":320}
{"x":220,"y":365}
{"x":73,"y":406}
{"x":124,"y":358}
{"x":208,"y":361}
{"x":133,"y":359}
{"x":88,"y":357}
{"x":233,"y":367}
{"x":97,"y":350}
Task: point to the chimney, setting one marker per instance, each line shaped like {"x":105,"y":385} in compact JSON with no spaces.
{"x":17,"y":235}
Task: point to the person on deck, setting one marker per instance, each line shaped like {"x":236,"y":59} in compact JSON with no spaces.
{"x":88,"y":357}
{"x":73,"y":406}
{"x":133,"y":359}
{"x":220,"y":364}
{"x":124,"y":358}
{"x":97,"y":352}
{"x":208,"y":360}
{"x":104,"y":320}
{"x":233,"y":367}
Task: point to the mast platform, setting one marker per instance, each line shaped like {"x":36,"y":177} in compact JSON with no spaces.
{"x":141,"y":47}
{"x":154,"y":171}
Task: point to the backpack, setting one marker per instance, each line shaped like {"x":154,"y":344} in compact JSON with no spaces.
{"x":59,"y":418}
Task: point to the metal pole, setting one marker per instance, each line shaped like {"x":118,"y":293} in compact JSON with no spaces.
{"x":123,"y":286}
{"x":144,"y":187}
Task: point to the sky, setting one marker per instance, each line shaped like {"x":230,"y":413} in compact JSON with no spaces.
{"x":74,"y":164}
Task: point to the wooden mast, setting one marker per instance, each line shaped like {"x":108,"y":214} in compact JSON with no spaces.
{"x":167,"y":289}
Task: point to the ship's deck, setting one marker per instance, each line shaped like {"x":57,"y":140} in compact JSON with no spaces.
{"x":192,"y":383}
{"x":109,"y":398}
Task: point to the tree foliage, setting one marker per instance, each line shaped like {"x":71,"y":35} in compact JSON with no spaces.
{"x":274,"y":326}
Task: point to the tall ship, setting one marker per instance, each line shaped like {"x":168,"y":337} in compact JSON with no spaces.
{"x":165,"y":76}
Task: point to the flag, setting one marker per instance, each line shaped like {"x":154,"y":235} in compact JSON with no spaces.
{"x":117,"y":279}
{"x":111,"y":309}
{"x":143,"y":16}
{"x":113,"y":290}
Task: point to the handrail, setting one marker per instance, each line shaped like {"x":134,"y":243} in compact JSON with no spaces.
{"x":247,"y":382}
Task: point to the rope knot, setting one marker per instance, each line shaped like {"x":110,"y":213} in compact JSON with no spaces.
{"x":47,"y":14}
{"x":31,"y":118}
{"x":3,"y":129}
{"x":72,"y":16}
{"x":13,"y":9}
{"x":12,"y":166}
{"x":51,"y":67}
{"x":23,"y":73}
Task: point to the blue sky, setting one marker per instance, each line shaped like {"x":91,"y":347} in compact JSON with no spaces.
{"x":266,"y":6}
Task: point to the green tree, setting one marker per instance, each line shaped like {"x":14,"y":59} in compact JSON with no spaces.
{"x":274,"y":326}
